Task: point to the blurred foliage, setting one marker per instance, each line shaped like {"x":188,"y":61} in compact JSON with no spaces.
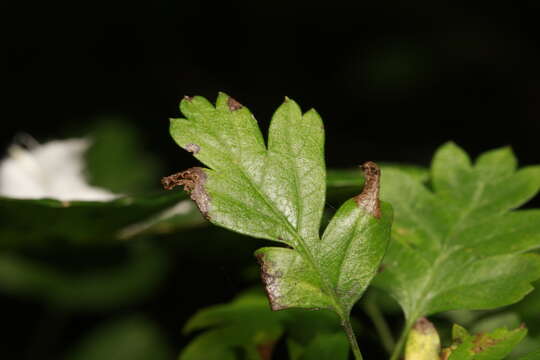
{"x":131,"y":338}
{"x":246,"y":326}
{"x":97,"y":263}
{"x":117,"y":159}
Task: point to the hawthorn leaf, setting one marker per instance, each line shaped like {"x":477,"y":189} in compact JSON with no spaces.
{"x":277,"y":192}
{"x":495,"y":345}
{"x":461,"y":243}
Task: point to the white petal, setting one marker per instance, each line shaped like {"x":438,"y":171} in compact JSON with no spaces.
{"x":52,"y":170}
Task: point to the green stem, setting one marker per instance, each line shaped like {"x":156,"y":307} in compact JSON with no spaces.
{"x":401,"y":341}
{"x":374,"y":313}
{"x":352,"y":338}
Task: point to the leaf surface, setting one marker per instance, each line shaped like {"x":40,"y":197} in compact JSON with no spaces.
{"x":460,"y":244}
{"x":277,"y":192}
{"x":495,"y":345}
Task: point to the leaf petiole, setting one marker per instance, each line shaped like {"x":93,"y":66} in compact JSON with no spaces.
{"x":346,"y":323}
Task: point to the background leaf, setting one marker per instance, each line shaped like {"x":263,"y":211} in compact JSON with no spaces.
{"x":37,"y":223}
{"x":459,"y":246}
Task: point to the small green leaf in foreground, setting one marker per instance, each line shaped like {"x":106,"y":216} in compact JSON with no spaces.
{"x":277,"y":192}
{"x":248,"y":326}
{"x":495,"y":345}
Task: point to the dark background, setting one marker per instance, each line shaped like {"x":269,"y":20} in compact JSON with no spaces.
{"x":392,"y":83}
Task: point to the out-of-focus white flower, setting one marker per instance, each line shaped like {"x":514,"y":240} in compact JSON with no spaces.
{"x":51,"y":170}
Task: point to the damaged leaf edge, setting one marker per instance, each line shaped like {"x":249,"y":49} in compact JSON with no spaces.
{"x":193,"y":180}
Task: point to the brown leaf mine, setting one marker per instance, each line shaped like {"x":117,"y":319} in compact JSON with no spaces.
{"x":233,"y":104}
{"x":270,"y":281}
{"x":369,"y":198}
{"x":193,"y":180}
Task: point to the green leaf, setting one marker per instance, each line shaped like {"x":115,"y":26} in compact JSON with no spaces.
{"x":133,"y":338}
{"x":495,"y":345}
{"x":278,"y":193}
{"x":460,"y":245}
{"x":39,"y":223}
{"x":245,"y":323}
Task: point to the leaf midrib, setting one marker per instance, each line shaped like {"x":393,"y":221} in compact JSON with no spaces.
{"x":445,"y":252}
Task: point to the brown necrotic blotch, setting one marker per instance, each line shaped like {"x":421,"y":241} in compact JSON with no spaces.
{"x":369,"y":198}
{"x":270,"y":281}
{"x":193,"y":180}
{"x":233,"y":104}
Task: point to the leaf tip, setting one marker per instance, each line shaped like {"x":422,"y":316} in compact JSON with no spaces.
{"x":233,"y":104}
{"x":369,"y":198}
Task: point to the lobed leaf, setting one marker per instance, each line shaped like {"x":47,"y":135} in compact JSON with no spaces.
{"x":278,"y":193}
{"x":461,"y":244}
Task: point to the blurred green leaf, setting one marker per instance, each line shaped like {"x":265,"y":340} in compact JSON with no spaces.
{"x":98,"y":288}
{"x":133,"y":338}
{"x":117,"y":159}
{"x":327,"y":346}
{"x":508,"y":320}
{"x":246,"y":325}
{"x":535,"y":355}
{"x":459,"y":246}
{"x":40,"y":223}
{"x":529,"y":309}
{"x":495,"y":345}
